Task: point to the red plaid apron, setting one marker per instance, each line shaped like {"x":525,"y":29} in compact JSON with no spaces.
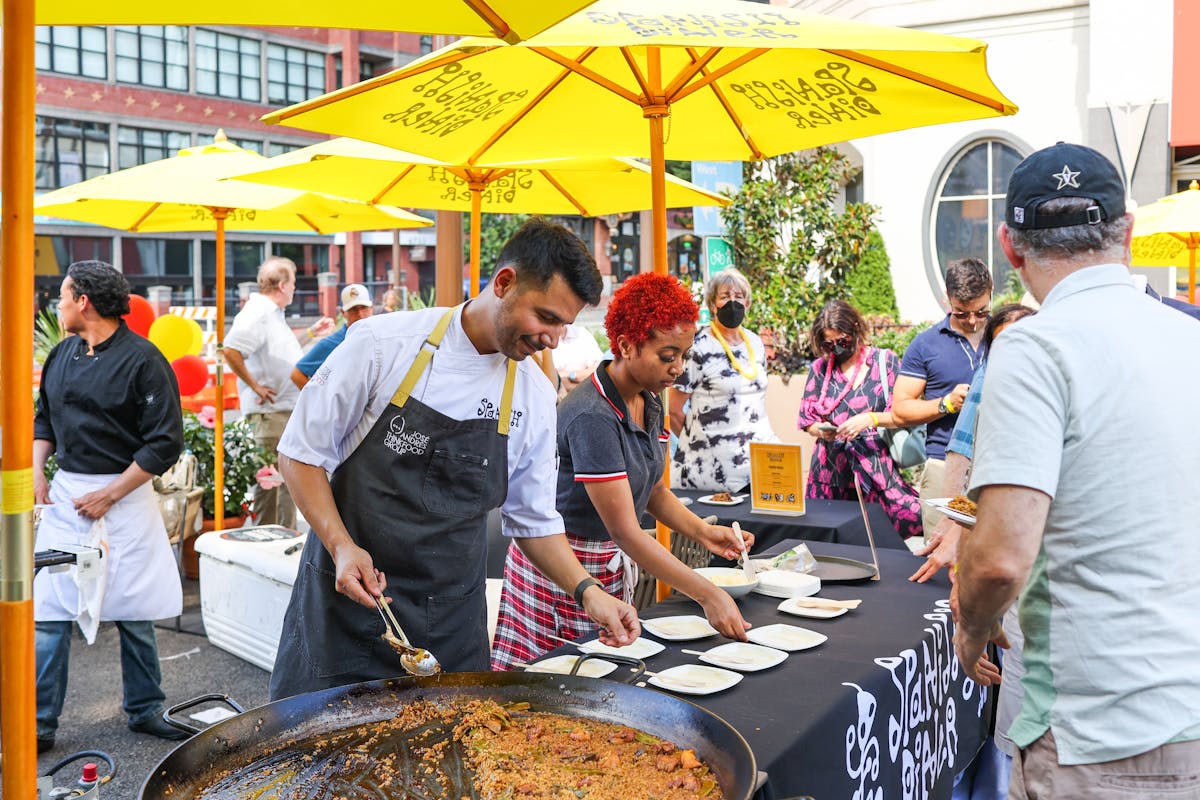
{"x":532,"y":608}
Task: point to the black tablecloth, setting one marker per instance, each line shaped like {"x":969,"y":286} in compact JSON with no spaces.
{"x":838,"y":521}
{"x":883,"y":706}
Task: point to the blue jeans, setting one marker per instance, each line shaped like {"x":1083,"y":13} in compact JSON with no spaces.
{"x":140,"y":673}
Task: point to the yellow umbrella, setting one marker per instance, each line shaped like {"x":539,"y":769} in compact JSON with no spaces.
{"x":186,"y":193}
{"x":510,"y":20}
{"x":373,"y":173}
{"x":685,"y":79}
{"x":1166,"y":233}
{"x":506,"y":19}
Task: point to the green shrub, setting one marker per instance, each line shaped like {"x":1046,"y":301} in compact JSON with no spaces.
{"x":870,"y":281}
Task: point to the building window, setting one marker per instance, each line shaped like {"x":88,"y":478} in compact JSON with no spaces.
{"x":228,"y":66}
{"x":152,"y":55}
{"x":253,"y":145}
{"x":72,"y":50}
{"x":294,"y":75}
{"x":970,"y":207}
{"x":161,"y":257}
{"x":279,"y":148}
{"x":143,"y":145}
{"x":68,"y":151}
{"x":426,"y":45}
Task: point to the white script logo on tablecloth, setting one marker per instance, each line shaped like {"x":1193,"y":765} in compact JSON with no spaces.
{"x":921,"y":735}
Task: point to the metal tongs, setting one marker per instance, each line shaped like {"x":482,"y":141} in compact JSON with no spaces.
{"x":415,"y":660}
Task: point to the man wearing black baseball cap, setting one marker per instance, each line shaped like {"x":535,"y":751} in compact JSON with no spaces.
{"x":1085,"y":501}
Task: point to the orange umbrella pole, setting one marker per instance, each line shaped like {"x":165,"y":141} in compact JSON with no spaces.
{"x":219,"y":427}
{"x":476,"y":235}
{"x":18,"y":703}
{"x":1192,"y":272}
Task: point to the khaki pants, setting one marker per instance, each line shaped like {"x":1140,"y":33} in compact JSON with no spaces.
{"x":271,"y":506}
{"x":1171,"y":771}
{"x":930,"y":486}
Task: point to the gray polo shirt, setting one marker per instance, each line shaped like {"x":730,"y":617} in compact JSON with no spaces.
{"x":597,"y":441}
{"x":1087,"y":402}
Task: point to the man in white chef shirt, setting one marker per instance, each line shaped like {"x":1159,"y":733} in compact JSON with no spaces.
{"x":413,"y":476}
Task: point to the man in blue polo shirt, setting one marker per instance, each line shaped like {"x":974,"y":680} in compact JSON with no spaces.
{"x":937,"y":370}
{"x":356,"y":305}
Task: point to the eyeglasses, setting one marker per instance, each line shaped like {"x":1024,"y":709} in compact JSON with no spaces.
{"x":842,"y":342}
{"x":982,"y":314}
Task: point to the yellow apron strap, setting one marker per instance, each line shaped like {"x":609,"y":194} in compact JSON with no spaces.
{"x":422,"y":360}
{"x":506,"y":400}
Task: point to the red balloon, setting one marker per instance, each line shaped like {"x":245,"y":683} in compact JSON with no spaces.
{"x":141,"y":315}
{"x":192,"y":374}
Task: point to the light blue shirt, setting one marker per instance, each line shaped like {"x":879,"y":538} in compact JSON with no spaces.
{"x":1081,"y":402}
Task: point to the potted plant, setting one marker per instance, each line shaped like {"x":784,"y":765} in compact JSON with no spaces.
{"x":246,"y":464}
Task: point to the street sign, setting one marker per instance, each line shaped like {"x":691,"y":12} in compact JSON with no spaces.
{"x":718,"y":254}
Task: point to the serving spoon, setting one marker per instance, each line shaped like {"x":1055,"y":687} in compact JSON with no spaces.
{"x":415,"y":660}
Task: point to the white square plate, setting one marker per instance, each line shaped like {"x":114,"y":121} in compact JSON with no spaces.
{"x":695,"y":679}
{"x":792,"y":606}
{"x":785,"y":637}
{"x":679,"y":629}
{"x":708,"y":500}
{"x":940,"y":503}
{"x":561,"y":665}
{"x":641,"y":648}
{"x":743,"y":657}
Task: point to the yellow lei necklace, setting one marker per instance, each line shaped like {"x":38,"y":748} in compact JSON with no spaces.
{"x":733,"y":359}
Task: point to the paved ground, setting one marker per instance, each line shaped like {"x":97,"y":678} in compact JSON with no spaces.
{"x":93,"y":720}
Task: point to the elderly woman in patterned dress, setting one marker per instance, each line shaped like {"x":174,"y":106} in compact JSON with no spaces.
{"x":725,"y":380}
{"x":844,"y":404}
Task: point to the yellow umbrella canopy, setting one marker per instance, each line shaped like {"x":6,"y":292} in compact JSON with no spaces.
{"x":186,"y":193}
{"x":1166,"y":233}
{"x":684,"y":79}
{"x":373,"y":173}
{"x":511,"y":20}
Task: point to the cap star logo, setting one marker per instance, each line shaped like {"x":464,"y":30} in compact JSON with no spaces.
{"x":1066,"y":178}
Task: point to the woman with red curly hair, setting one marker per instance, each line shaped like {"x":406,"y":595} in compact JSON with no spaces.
{"x":612,"y":450}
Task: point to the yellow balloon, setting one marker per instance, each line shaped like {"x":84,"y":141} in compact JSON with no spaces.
{"x":172,"y":335}
{"x":197,"y":343}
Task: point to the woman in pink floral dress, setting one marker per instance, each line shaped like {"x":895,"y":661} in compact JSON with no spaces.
{"x":844,"y":405}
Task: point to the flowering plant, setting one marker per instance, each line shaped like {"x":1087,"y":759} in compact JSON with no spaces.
{"x":246,"y":464}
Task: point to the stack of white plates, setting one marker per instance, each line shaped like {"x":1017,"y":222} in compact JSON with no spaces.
{"x":785,"y":583}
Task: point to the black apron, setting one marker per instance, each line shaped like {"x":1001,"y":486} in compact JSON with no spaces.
{"x":415,"y":495}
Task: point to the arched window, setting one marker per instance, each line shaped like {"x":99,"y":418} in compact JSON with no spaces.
{"x":969,"y":207}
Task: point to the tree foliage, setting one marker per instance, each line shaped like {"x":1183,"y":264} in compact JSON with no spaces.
{"x":870,"y":282}
{"x":793,"y":244}
{"x":494,"y":231}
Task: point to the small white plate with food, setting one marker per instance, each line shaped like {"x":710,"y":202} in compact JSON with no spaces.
{"x":682,"y":628}
{"x":731,"y":579}
{"x":721,"y":499}
{"x":562,"y":665}
{"x":641,"y":648}
{"x":813,"y":607}
{"x":695,"y":679}
{"x":741,"y":656}
{"x":959,"y":509}
{"x":786,"y":637}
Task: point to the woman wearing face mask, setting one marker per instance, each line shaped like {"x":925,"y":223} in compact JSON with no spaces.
{"x":612,"y":450}
{"x":844,"y":405}
{"x":725,"y":380}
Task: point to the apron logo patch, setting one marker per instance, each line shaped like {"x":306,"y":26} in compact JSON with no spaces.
{"x":401,"y":441}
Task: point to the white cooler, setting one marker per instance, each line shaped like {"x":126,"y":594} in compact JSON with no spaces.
{"x":246,"y":578}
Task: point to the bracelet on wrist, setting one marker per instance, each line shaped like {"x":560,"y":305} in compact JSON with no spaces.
{"x":583,"y":587}
{"x":874,"y":419}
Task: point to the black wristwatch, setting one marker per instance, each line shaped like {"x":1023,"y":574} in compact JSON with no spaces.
{"x":583,"y":587}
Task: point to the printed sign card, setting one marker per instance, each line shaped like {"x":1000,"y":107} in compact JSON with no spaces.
{"x":777,"y":478}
